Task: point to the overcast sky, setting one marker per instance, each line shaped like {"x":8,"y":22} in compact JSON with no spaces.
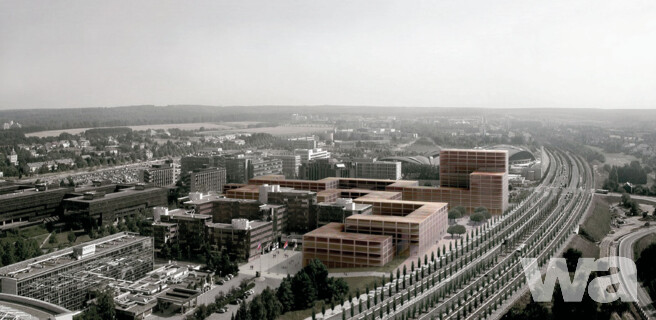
{"x":550,"y":53}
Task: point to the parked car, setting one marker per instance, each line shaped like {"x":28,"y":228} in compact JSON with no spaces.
{"x":223,"y":310}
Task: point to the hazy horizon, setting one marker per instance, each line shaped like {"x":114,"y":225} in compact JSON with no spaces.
{"x":476,"y":54}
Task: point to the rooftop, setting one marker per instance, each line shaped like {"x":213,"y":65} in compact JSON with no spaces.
{"x":54,"y":260}
{"x":119,"y":194}
{"x":336,"y":230}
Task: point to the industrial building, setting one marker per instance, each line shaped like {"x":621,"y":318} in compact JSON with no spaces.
{"x":66,"y":276}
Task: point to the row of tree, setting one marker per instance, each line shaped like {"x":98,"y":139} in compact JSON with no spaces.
{"x":18,"y":250}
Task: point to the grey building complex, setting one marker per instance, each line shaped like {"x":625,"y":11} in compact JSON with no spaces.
{"x":66,"y":276}
{"x":25,"y":205}
{"x":107,"y":208}
{"x":240,"y":170}
{"x":159,"y":175}
{"x":290,"y":165}
{"x":209,"y":179}
{"x":378,"y":170}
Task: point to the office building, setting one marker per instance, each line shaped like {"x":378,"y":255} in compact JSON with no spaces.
{"x":65,"y":277}
{"x":324,"y":168}
{"x":264,"y":167}
{"x":28,"y":205}
{"x":191,"y":163}
{"x":207,"y":180}
{"x":378,"y":170}
{"x":240,"y":238}
{"x":308,"y":155}
{"x":190,"y":227}
{"x":339,"y":210}
{"x":240,"y":170}
{"x":107,"y":208}
{"x":468,"y":178}
{"x":338,"y":249}
{"x":158,"y":175}
{"x":290,"y":165}
{"x":303,"y":143}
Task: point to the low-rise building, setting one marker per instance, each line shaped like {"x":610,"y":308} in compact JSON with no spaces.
{"x":66,"y":276}
{"x":241,"y":239}
{"x":107,"y":208}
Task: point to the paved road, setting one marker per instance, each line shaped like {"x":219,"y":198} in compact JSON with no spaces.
{"x":633,"y":196}
{"x":626,"y":250}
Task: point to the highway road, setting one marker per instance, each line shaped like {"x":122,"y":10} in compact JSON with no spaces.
{"x":626,"y":250}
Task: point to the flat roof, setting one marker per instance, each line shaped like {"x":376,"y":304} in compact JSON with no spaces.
{"x":422,"y":211}
{"x":358,"y":206}
{"x":474,"y":150}
{"x":335,"y":230}
{"x":119,"y":194}
{"x":181,"y":213}
{"x":30,"y":192}
{"x":206,"y":198}
{"x":47,"y":262}
{"x":254,"y":224}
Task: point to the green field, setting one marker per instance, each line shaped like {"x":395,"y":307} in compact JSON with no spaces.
{"x":587,"y":247}
{"x":615,"y":159}
{"x":38,"y":233}
{"x":62,"y":240}
{"x":597,"y":225}
{"x":642,"y":244}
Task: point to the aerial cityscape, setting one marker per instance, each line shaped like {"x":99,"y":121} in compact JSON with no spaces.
{"x":266,"y":165}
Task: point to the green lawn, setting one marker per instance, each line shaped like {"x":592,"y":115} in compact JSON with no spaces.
{"x":615,"y":159}
{"x":38,"y":232}
{"x":597,"y":225}
{"x":390,"y":267}
{"x":642,"y":244}
{"x":62,"y":240}
{"x":587,"y":247}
